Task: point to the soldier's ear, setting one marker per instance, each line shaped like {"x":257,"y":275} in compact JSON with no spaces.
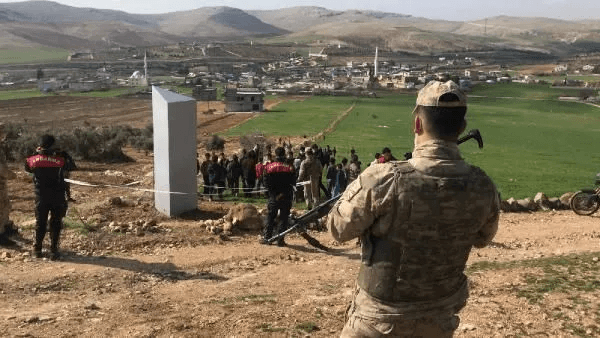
{"x":418,"y":126}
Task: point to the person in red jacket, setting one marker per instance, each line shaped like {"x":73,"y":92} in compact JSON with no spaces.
{"x":279,"y":178}
{"x":48,"y":167}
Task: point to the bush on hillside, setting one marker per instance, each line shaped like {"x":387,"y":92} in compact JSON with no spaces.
{"x":101,"y":144}
{"x":215,"y":143}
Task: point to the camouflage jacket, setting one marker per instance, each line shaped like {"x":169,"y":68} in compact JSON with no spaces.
{"x":353,"y":171}
{"x":310,"y":169}
{"x":5,"y":174}
{"x":418,"y":221}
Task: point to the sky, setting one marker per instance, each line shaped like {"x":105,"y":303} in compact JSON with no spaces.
{"x":433,"y":9}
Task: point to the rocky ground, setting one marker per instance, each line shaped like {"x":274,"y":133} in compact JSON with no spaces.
{"x":128,"y":271}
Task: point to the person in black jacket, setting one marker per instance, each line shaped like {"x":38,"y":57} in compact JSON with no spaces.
{"x":331,"y":176}
{"x":279,"y":179}
{"x":234,"y":172}
{"x":249,"y":173}
{"x":217,"y":175}
{"x":48,"y":167}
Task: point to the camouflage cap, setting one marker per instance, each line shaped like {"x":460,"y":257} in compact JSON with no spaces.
{"x":430,"y":95}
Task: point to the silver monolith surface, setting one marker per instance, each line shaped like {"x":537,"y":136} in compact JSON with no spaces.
{"x":174,"y":122}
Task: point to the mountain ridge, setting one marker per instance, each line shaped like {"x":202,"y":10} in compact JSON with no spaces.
{"x":47,"y":23}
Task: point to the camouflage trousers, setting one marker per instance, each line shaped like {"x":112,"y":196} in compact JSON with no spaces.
{"x":439,"y":327}
{"x":312,"y":193}
{"x":4,"y":212}
{"x":370,"y":320}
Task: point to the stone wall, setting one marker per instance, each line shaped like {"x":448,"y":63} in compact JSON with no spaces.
{"x":539,"y":202}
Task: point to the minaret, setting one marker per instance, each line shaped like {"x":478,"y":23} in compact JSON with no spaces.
{"x":376,"y":54}
{"x":145,"y":69}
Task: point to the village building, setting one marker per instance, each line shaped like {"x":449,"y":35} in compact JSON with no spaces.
{"x":203,"y":93}
{"x":244,"y":100}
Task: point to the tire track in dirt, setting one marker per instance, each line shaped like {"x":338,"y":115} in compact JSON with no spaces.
{"x":331,"y":128}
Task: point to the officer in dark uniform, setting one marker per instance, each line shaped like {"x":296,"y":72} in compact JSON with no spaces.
{"x":48,"y":167}
{"x":279,"y":179}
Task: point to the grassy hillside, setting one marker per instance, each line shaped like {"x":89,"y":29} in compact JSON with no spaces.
{"x":32,"y":55}
{"x":533,"y":141}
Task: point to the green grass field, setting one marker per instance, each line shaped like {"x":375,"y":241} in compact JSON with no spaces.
{"x":20,"y":94}
{"x":114,"y":92}
{"x":32,"y":55}
{"x":532,"y":142}
{"x":586,"y":78}
{"x":299,"y":118}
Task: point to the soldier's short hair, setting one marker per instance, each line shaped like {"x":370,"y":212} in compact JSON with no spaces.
{"x":443,"y":105}
{"x":444,"y":121}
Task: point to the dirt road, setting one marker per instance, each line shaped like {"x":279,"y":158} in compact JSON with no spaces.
{"x":187,"y":283}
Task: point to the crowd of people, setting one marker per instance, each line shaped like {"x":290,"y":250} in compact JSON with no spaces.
{"x":243,"y":174}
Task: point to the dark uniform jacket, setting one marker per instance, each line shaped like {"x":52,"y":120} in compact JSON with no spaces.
{"x":279,"y":179}
{"x":49,"y":167}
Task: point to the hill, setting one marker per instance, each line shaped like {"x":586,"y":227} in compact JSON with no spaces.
{"x":49,"y":24}
{"x":214,"y":22}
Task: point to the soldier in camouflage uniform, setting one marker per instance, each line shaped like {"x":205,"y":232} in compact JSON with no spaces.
{"x":418,"y":221}
{"x":5,"y":174}
{"x":311,"y":169}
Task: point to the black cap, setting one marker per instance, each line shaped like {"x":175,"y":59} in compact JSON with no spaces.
{"x":279,"y":152}
{"x":47,"y":141}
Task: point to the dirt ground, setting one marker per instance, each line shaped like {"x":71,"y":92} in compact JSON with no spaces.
{"x":177,"y":280}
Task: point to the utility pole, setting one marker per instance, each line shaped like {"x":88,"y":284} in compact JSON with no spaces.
{"x":485,"y":27}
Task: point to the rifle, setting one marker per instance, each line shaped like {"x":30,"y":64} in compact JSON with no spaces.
{"x":473,"y":133}
{"x":300,"y":224}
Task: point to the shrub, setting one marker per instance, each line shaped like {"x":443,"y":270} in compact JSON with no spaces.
{"x":102,"y":144}
{"x":215,"y":143}
{"x":249,"y":141}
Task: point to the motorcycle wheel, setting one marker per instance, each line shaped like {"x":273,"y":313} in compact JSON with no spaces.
{"x":585,"y":203}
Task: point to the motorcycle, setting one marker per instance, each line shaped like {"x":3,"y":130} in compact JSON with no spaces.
{"x":587,"y":201}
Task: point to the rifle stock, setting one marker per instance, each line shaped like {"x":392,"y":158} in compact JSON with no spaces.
{"x":300,"y":224}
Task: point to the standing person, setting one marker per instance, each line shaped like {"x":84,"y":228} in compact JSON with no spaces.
{"x":377,"y":159}
{"x":418,"y":221}
{"x":217,"y":175}
{"x":331,"y":176}
{"x":249,"y":173}
{"x":279,"y":179}
{"x":259,"y":177}
{"x":69,"y":166}
{"x":234,"y":172}
{"x":243,"y":156}
{"x":353,"y":169}
{"x":310,"y":169}
{"x":386,"y":156}
{"x":6,"y":226}
{"x":299,"y":188}
{"x":48,"y":169}
{"x":205,"y":175}
{"x":341,"y":180}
